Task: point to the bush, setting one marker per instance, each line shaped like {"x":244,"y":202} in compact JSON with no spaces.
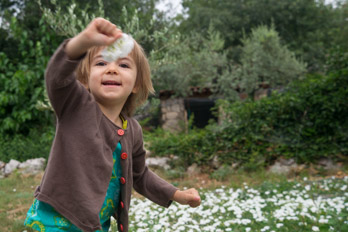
{"x":22,"y":82}
{"x":306,"y":122}
{"x":23,"y":147}
{"x":190,"y":148}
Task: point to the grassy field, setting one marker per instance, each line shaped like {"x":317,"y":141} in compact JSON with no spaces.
{"x":16,"y":196}
{"x":242,"y":202}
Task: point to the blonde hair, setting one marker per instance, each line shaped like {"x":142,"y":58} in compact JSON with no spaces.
{"x":143,"y":83}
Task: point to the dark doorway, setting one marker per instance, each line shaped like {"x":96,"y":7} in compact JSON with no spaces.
{"x":201,"y":109}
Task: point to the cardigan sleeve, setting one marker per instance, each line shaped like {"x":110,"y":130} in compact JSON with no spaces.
{"x":145,"y":181}
{"x":63,"y":89}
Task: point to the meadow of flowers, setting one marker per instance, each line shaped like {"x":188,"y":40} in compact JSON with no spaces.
{"x":304,"y":205}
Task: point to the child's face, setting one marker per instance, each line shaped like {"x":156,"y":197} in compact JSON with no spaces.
{"x":112,"y":82}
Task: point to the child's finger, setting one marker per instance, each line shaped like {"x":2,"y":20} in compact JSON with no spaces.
{"x":106,"y":32}
{"x":109,"y":29}
{"x":112,"y":38}
{"x":105,"y":27}
{"x":193,"y":199}
{"x":195,"y":202}
{"x":117,"y":33}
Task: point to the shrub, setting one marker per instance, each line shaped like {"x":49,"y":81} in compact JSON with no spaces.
{"x":190,"y":148}
{"x":306,"y":122}
{"x":23,"y":147}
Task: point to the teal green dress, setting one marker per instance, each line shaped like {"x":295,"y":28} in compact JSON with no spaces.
{"x":44,"y":218}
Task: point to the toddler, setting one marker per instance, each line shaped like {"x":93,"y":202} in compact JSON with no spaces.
{"x":97,"y":155}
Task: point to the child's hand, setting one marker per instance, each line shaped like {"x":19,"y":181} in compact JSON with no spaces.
{"x":100,"y":32}
{"x":187,"y":197}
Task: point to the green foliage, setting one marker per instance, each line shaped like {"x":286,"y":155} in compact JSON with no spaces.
{"x":188,"y":60}
{"x":135,"y":17}
{"x":222,"y":173}
{"x":340,"y":32}
{"x":190,"y":148}
{"x":177,"y":61}
{"x":306,"y":122}
{"x":264,"y":61}
{"x":193,"y":58}
{"x":337,"y":61}
{"x":23,"y":105}
{"x":22,"y":147}
{"x":28,"y":44}
{"x":309,"y":27}
{"x":71,"y":21}
{"x":149,"y":114}
{"x":22,"y":82}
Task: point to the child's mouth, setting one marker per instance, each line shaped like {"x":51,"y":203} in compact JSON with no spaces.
{"x":111,"y":83}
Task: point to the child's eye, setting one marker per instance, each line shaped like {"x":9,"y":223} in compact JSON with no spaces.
{"x":101,"y":63}
{"x":124,"y":65}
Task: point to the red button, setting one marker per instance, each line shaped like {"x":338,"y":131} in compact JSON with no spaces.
{"x":122,"y":205}
{"x":124,"y":155}
{"x":123,"y":180}
{"x":121,"y":227}
{"x":120,"y":132}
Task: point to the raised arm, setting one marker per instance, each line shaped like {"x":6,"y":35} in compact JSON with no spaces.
{"x":63,"y":89}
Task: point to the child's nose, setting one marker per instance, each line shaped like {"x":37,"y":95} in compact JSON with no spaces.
{"x":112,"y":69}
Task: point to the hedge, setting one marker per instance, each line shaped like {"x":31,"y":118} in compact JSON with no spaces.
{"x":305,"y":122}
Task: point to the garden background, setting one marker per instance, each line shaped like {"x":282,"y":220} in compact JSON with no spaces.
{"x":297,"y":48}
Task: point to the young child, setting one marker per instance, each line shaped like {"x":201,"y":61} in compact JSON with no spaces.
{"x":97,"y":155}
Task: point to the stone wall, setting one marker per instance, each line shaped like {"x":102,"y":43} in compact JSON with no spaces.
{"x":173,"y":114}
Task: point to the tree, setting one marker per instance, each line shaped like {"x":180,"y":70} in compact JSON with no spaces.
{"x":264,"y":61}
{"x":187,"y":61}
{"x":307,"y":26}
{"x":177,"y":61}
{"x":22,"y":82}
{"x":32,"y":32}
{"x":29,"y":13}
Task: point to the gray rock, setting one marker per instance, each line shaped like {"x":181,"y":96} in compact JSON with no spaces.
{"x":32,"y":166}
{"x":2,"y":169}
{"x":11,"y":166}
{"x":286,"y":162}
{"x":279,"y":168}
{"x":159,"y":162}
{"x":285,"y":166}
{"x":193,"y":170}
{"x":215,"y":163}
{"x":235,"y":165}
{"x":327,"y":164}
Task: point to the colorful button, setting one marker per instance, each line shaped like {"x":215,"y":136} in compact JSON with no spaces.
{"x":124,"y":155}
{"x":121,"y":227}
{"x":120,"y":132}
{"x":123,"y":180}
{"x":122,"y":205}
